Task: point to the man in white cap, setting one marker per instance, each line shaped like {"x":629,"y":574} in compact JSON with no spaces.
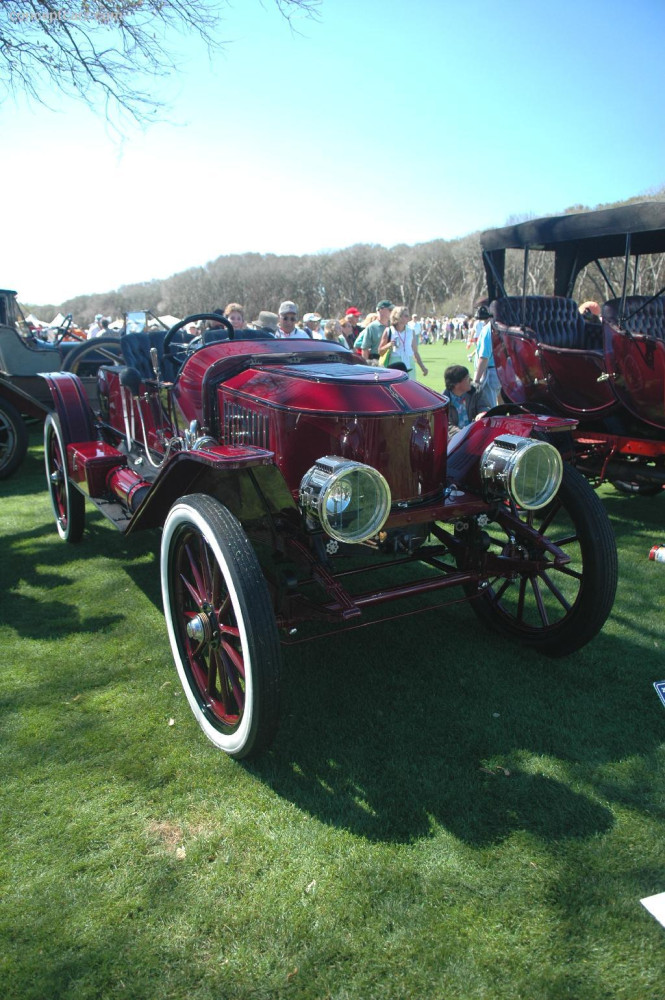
{"x":95,"y":329}
{"x":286,"y":327}
{"x":312,"y":326}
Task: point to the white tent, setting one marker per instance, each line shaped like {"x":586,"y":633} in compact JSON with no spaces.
{"x":33,"y":321}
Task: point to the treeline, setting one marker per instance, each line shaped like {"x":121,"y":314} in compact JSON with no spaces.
{"x":441,"y":277}
{"x":429,"y":277}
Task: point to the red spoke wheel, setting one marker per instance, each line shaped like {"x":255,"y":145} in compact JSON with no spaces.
{"x":67,"y":503}
{"x":221,"y":625}
{"x":551,"y":605}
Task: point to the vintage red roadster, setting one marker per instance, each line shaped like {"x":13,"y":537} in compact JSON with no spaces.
{"x":606,"y":371}
{"x":294,"y":484}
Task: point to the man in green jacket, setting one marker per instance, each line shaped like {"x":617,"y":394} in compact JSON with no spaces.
{"x":371,"y":338}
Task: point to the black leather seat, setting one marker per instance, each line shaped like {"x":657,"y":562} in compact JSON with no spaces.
{"x":136,"y":348}
{"x":549,"y":319}
{"x":642,"y":316}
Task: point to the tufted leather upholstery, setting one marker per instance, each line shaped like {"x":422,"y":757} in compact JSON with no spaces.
{"x":135,"y":349}
{"x":650,"y":320}
{"x":549,"y":319}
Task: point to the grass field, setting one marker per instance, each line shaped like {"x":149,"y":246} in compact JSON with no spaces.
{"x":442,"y":816}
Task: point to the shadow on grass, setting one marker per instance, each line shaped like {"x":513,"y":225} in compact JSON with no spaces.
{"x":628,"y":511}
{"x":443,"y":723}
{"x":38,"y":559}
{"x":30,"y":478}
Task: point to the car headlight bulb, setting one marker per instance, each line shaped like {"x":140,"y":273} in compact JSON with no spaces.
{"x":338,"y":499}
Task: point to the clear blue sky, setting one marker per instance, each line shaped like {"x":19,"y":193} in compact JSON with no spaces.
{"x":380,"y":122}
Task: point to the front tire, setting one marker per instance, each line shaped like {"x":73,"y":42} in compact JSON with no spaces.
{"x":221,"y":625}
{"x":67,"y":503}
{"x":13,"y":439}
{"x":555,"y":610}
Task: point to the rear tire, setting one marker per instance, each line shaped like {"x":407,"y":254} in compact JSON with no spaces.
{"x":13,"y":439}
{"x":637,"y":489}
{"x":67,"y":503}
{"x":86,"y":358}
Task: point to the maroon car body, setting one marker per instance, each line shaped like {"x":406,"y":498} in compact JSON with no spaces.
{"x":608,"y":373}
{"x":288,"y":477}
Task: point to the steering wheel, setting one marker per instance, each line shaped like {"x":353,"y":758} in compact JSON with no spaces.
{"x":177,"y":327}
{"x":66,"y":331}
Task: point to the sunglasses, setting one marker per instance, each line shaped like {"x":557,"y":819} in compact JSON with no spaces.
{"x":291,"y":318}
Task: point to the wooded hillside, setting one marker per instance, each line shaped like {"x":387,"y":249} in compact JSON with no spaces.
{"x":441,"y":277}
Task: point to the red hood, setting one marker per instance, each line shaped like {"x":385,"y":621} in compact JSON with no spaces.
{"x":334,"y":388}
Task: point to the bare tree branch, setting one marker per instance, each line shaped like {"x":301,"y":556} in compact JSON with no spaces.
{"x":111,"y":52}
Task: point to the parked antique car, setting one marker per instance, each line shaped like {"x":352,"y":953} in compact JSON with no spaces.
{"x":285,"y":474}
{"x":23,"y":356}
{"x":607,"y":370}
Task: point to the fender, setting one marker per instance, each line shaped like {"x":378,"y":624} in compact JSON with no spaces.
{"x":244,"y":479}
{"x":71,"y":406}
{"x":466,"y":448}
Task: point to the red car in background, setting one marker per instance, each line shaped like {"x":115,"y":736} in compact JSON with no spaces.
{"x":604,"y":369}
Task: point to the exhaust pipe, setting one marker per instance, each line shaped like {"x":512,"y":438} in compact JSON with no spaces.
{"x":128,"y":487}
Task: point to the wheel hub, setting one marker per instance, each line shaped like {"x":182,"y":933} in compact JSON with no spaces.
{"x":203,"y":628}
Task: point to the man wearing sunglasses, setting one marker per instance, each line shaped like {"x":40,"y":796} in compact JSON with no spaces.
{"x":286,"y":328}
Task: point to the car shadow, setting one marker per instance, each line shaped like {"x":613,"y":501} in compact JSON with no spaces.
{"x":627,"y":511}
{"x":473,"y":733}
{"x":392,"y":730}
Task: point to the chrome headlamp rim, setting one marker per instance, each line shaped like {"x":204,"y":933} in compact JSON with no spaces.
{"x":502,"y":465}
{"x":316,"y":494}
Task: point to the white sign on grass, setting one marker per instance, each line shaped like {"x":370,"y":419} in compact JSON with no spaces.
{"x":656,"y":906}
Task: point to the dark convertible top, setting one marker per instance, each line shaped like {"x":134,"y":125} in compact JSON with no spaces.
{"x":577,"y":239}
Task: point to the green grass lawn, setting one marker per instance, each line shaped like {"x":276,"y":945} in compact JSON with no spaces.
{"x":437,"y":357}
{"x":442,"y":816}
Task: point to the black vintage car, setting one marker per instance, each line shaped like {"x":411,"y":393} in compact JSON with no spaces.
{"x":24,"y":356}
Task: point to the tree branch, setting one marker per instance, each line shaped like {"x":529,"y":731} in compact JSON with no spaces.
{"x":100,"y":50}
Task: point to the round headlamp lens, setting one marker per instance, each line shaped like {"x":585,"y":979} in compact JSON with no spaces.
{"x":351,"y":501}
{"x":536,"y":475}
{"x":528,"y":471}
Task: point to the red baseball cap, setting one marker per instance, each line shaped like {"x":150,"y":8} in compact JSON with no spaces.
{"x":352,"y":311}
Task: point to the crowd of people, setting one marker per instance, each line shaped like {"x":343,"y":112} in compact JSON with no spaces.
{"x":389,"y":336}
